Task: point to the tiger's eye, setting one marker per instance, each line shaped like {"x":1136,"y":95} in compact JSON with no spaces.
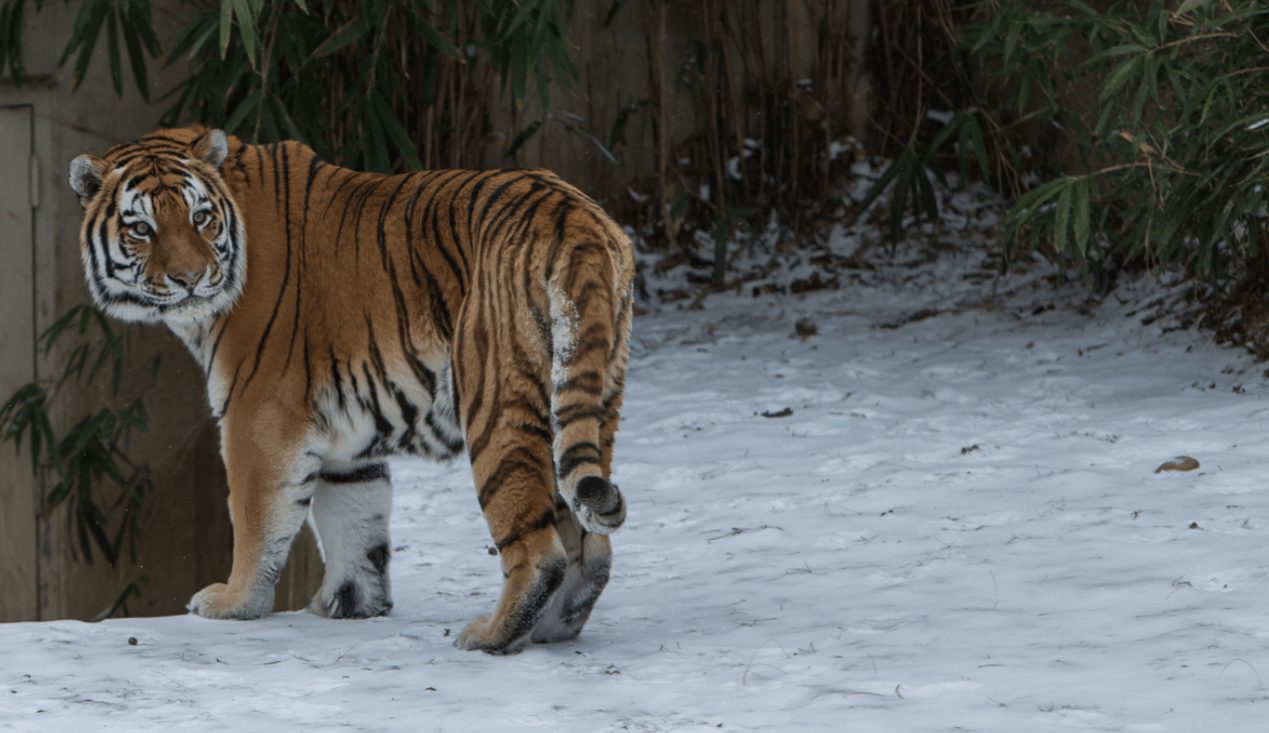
{"x":141,"y":230}
{"x":200,"y":218}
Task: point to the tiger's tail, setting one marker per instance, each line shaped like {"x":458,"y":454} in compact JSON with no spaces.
{"x":590,"y":312}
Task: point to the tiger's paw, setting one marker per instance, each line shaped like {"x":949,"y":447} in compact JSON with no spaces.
{"x":366,"y":596}
{"x":219,"y":602}
{"x":480,"y":635}
{"x":599,"y":505}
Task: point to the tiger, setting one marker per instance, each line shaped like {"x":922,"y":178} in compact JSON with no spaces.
{"x":343,"y":317}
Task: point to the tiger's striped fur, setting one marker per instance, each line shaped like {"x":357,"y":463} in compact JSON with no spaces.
{"x":343,"y":317}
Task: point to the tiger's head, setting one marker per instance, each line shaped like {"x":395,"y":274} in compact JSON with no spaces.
{"x":162,"y":238}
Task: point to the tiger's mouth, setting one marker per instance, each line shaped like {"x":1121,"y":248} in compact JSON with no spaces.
{"x":183,"y":304}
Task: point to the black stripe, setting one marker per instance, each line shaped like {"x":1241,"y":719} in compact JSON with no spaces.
{"x":517,"y":461}
{"x":466,"y":248}
{"x":572,"y":413}
{"x":286,"y":276}
{"x":381,"y":232}
{"x":230,"y":393}
{"x":363,"y":474}
{"x":539,"y":523}
{"x":588,"y":383}
{"x":576,"y":455}
{"x":338,"y":380}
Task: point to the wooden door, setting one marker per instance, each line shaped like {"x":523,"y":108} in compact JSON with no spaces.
{"x":18,"y":566}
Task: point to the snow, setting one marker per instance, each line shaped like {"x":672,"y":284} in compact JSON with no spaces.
{"x":958,"y":527}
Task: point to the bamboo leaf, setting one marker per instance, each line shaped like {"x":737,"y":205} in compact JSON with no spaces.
{"x":137,"y":58}
{"x":522,"y":138}
{"x":928,"y":200}
{"x":226,"y":23}
{"x":892,"y":171}
{"x":398,"y":134}
{"x":1190,"y":6}
{"x":539,"y":80}
{"x":436,"y":39}
{"x":980,"y":148}
{"x":519,"y":66}
{"x":293,"y":132}
{"x":87,"y":39}
{"x":1122,"y":49}
{"x":246,"y":28}
{"x":192,"y":38}
{"x":1061,"y":218}
{"x":1117,"y":78}
{"x":244,"y":108}
{"x":1082,"y":223}
{"x":1028,"y":206}
{"x":372,"y":143}
{"x":349,"y":33}
{"x":907,"y":165}
{"x":138,"y":16}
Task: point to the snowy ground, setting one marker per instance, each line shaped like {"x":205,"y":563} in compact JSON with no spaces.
{"x":956,"y":525}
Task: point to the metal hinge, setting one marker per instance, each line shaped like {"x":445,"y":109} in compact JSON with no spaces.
{"x":35,"y":182}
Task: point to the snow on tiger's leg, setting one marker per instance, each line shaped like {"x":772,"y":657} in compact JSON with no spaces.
{"x":267,"y":465}
{"x":351,"y":506}
{"x":508,"y":432}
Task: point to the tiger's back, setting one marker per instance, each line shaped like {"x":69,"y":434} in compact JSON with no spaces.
{"x":382,"y":315}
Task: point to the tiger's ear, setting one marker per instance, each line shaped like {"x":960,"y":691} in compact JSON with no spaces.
{"x":212,"y":148}
{"x":86,"y":172}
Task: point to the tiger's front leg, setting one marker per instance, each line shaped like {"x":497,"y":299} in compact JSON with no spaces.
{"x":351,"y":508}
{"x":271,"y":483}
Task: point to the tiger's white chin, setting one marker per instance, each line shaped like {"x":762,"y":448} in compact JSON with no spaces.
{"x":189,"y":310}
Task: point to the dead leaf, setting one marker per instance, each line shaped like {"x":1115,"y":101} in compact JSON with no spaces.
{"x":1180,"y":463}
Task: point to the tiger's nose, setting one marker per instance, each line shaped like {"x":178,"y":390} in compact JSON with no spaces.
{"x":186,"y":280}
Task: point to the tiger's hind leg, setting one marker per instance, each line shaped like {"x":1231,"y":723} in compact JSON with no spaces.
{"x":589,"y":561}
{"x":507,"y":421}
{"x":351,"y":506}
{"x":514,"y":489}
{"x":590,"y":553}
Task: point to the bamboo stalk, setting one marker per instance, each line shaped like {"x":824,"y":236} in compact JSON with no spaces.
{"x":708,"y":17}
{"x":734,"y":102}
{"x":891,"y":79}
{"x":671,"y":227}
{"x":762,"y":70}
{"x":790,"y":26}
{"x":455,"y":106}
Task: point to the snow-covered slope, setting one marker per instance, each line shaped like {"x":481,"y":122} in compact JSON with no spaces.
{"x":934,"y":513}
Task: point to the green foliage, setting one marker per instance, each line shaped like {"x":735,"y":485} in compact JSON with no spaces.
{"x":127,"y":18}
{"x":1172,"y":142}
{"x":526,"y":31}
{"x":120,"y":605}
{"x":1171,"y":145}
{"x":93,"y":449}
{"x":331,"y":75}
{"x":908,"y":172}
{"x":1177,"y":133}
{"x":327,"y":72}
